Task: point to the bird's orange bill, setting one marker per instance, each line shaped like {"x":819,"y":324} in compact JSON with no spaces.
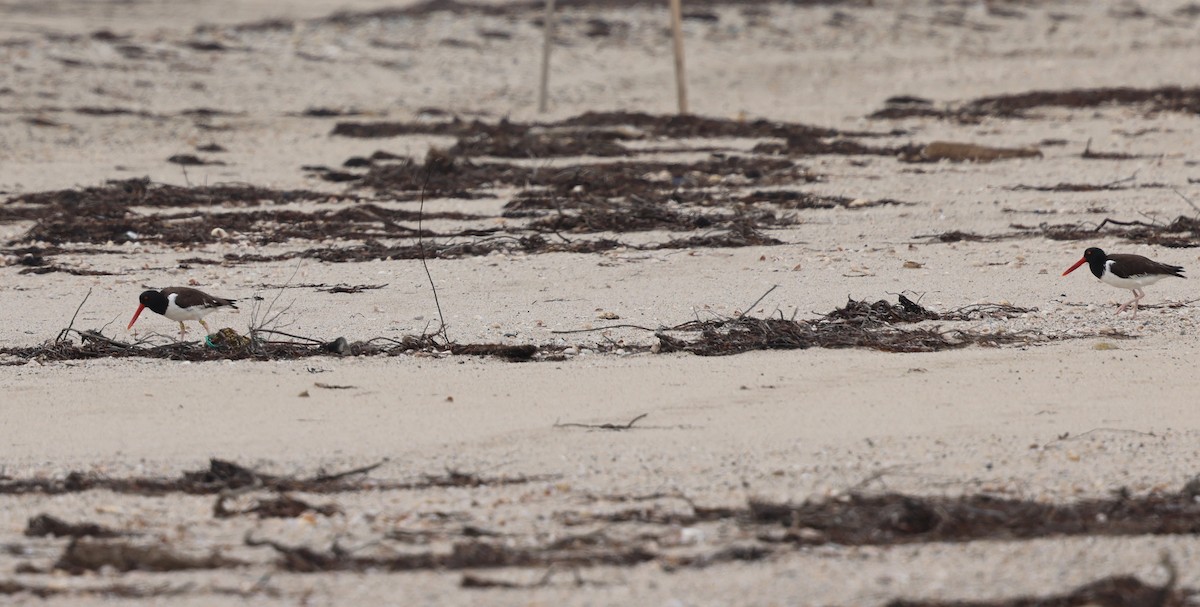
{"x":1077,"y":264}
{"x":135,"y":316}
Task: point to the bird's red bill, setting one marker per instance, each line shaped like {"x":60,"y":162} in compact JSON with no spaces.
{"x":135,"y":316}
{"x":1070,"y":269}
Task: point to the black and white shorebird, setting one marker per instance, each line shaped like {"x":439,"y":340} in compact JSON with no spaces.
{"x":180,"y":304}
{"x":1126,"y":272}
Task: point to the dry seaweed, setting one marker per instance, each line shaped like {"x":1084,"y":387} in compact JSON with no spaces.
{"x":857,"y":325}
{"x":49,"y":268}
{"x":222,"y":475}
{"x":345,"y":288}
{"x":513,"y":10}
{"x":792,"y":199}
{"x":950,"y":151}
{"x":1182,"y":232}
{"x":131,"y":591}
{"x":881,"y":312}
{"x":1152,"y":100}
{"x":1072,"y":187}
{"x":44,"y":524}
{"x":120,"y":225}
{"x":893,"y":518}
{"x":143,"y":192}
{"x":92,"y":555}
{"x":257,"y":346}
{"x":741,"y":233}
{"x":543,"y":145}
{"x":509,"y":352}
{"x":442,"y":175}
{"x":674,"y":126}
{"x":192,"y":160}
{"x":599,"y":134}
{"x":851,"y":520}
{"x":735,"y":336}
{"x":462,"y":555}
{"x":961,"y":236}
{"x":640,"y":215}
{"x":1114,"y":591}
{"x":618,"y":197}
{"x":450,"y":175}
{"x":283,"y":506}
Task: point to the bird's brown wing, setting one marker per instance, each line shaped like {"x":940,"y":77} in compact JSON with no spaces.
{"x":1125,"y":265}
{"x":187,"y":297}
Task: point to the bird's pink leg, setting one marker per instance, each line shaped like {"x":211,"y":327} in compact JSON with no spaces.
{"x":182,"y":331}
{"x":1138,"y":294}
{"x":1132,"y":301}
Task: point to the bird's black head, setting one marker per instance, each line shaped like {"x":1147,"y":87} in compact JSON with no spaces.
{"x":1095,"y":259}
{"x":154,"y":300}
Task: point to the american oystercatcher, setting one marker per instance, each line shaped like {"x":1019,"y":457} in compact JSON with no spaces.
{"x":180,"y":304}
{"x":1126,"y":272}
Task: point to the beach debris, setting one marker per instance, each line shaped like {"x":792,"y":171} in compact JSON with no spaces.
{"x":1160,"y":99}
{"x":1181,"y":232}
{"x":92,"y":555}
{"x":625,"y":426}
{"x":969,"y":152}
{"x":859,"y":324}
{"x":345,"y":288}
{"x":45,"y":524}
{"x":223,"y":475}
{"x":282,"y":506}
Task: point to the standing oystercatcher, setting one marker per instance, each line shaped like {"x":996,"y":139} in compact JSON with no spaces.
{"x":180,"y":304}
{"x":1126,"y":272}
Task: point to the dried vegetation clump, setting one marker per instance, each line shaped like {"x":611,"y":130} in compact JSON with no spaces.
{"x":859,"y":324}
{"x":1152,"y":100}
{"x":606,"y":531}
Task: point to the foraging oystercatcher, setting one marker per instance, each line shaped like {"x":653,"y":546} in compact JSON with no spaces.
{"x":180,"y":304}
{"x":1126,"y":272}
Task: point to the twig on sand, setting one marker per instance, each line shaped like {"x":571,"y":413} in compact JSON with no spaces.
{"x":470,"y":580}
{"x":274,"y":332}
{"x":1108,"y":220}
{"x":1067,"y":436}
{"x":421,"y":249}
{"x":756,"y":302}
{"x":1121,"y":180}
{"x":267,"y":320}
{"x":604,"y":328}
{"x":877,"y":475}
{"x":325,"y":478}
{"x":67,"y":331}
{"x":628,"y":426}
{"x":1187,"y":200}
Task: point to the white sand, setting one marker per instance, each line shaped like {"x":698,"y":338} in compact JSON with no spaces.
{"x":774,"y":425}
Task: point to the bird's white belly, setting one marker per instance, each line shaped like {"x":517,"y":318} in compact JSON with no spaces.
{"x":1133,"y":282}
{"x":182,"y":314}
{"x":179,"y":314}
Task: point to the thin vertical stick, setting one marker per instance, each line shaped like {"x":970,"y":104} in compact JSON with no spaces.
{"x":421,"y":247}
{"x":677,"y":34}
{"x":548,"y":28}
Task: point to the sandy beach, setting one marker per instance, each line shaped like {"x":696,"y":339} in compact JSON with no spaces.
{"x":1019,"y":439}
